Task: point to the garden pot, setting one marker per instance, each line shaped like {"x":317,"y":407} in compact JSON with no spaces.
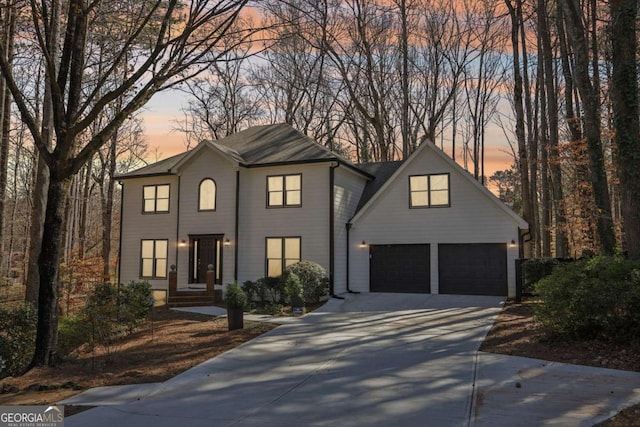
{"x":235,"y":318}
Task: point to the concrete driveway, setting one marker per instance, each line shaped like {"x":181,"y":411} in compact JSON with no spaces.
{"x":369,"y":360}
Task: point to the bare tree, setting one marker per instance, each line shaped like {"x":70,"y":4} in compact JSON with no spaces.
{"x":163,"y":43}
{"x":515,"y":12}
{"x":626,"y":116}
{"x":577,"y":37}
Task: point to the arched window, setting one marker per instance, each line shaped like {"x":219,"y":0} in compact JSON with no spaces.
{"x":207,"y":195}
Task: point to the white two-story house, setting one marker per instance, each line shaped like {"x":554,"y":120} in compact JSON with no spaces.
{"x":262,"y":199}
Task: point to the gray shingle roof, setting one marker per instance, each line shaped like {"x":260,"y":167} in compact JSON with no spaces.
{"x":162,"y":167}
{"x":382,"y":171}
{"x":259,"y":145}
{"x":278,"y":143}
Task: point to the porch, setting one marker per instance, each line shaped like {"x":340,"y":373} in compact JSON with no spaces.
{"x":194,"y":294}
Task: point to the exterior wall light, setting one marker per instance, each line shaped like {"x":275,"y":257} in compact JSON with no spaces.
{"x":512,"y":244}
{"x":182,"y":243}
{"x":227,"y":242}
{"x":363,"y":244}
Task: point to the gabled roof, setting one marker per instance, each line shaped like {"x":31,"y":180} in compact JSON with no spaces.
{"x":256,"y":146}
{"x":162,"y":167}
{"x":428,"y":145}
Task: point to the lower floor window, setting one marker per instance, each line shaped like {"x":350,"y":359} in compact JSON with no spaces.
{"x":153,"y":262}
{"x":281,"y":253}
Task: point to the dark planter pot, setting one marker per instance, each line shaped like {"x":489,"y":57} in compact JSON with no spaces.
{"x":235,"y":318}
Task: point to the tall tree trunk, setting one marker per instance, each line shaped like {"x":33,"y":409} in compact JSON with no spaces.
{"x":41,"y":184}
{"x":590,"y":101}
{"x":552,"y":110}
{"x":545,"y":214}
{"x":404,"y":51}
{"x":84,"y":210}
{"x":515,"y":12}
{"x":626,"y":117}
{"x":107,"y":211}
{"x":8,"y":17}
{"x":49,"y":266}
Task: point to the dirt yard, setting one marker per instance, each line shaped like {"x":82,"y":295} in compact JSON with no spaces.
{"x":515,"y":333}
{"x":174,"y":342}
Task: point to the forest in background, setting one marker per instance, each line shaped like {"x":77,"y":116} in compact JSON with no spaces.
{"x":368,"y":79}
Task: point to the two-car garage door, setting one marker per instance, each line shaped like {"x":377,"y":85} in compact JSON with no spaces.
{"x":470,"y":268}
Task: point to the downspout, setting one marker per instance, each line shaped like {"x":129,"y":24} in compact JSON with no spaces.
{"x":348,"y":227}
{"x":120,"y":239}
{"x":235,"y":249}
{"x":178,"y":224}
{"x":332,"y":236}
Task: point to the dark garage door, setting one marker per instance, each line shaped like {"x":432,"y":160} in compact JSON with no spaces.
{"x":399,"y":268}
{"x":473,"y":268}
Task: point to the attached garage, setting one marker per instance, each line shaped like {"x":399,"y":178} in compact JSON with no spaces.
{"x":473,"y":269}
{"x":400,"y":268}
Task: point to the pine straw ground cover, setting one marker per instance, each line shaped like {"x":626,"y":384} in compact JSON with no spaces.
{"x":171,"y":343}
{"x":516,"y":333}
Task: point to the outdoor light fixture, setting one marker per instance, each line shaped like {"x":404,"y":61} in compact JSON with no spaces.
{"x":512,"y":244}
{"x":363,"y":244}
{"x":182,"y":243}
{"x":227,"y":242}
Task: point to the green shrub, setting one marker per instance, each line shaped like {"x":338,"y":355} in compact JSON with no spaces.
{"x":273,"y":309}
{"x":254,"y":292}
{"x":101,"y":311}
{"x":135,"y":301}
{"x":17,"y":338}
{"x":292,"y":285}
{"x":234,"y":296}
{"x":591,"y":298}
{"x":274,"y":289}
{"x":313,"y":277}
{"x":73,"y":331}
{"x":533,"y":270}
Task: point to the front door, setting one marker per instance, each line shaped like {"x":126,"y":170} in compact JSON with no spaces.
{"x":205,"y":250}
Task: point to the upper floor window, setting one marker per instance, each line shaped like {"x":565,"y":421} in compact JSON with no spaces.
{"x":427,"y":191}
{"x":207,"y":195}
{"x":281,"y":253}
{"x":284,"y":190}
{"x":153,"y":259}
{"x":155,"y":198}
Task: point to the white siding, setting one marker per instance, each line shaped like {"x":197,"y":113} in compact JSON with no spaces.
{"x":471,"y":218}
{"x":348,"y":186}
{"x":137,"y":226}
{"x":207,"y":164}
{"x":256,"y":222}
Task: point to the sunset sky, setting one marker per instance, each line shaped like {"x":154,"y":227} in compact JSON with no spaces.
{"x":164,"y":111}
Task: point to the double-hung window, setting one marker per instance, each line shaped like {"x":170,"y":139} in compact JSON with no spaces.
{"x":155,"y":198}
{"x":284,"y":191}
{"x":153,"y":259}
{"x":427,"y":191}
{"x":281,"y":253}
